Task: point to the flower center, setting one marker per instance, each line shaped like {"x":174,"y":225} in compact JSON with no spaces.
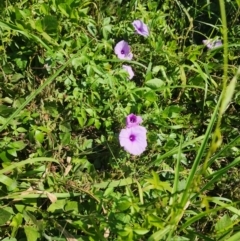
{"x":122,"y":51}
{"x":132,"y":137}
{"x":132,"y":119}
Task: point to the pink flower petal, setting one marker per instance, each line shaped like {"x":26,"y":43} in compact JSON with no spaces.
{"x":129,"y":70}
{"x":133,"y":139}
{"x":133,"y":120}
{"x":140,"y":27}
{"x":212,"y":44}
{"x":122,"y":50}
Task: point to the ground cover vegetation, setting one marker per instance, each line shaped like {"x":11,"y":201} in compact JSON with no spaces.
{"x":119,"y":120}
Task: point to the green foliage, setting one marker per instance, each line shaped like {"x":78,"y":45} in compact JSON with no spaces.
{"x":64,"y":98}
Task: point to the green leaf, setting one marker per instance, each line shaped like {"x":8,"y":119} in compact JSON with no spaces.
{"x":39,"y":136}
{"x":21,"y":129}
{"x":7,"y":100}
{"x":72,"y":206}
{"x":150,"y":96}
{"x":57,"y":207}
{"x":155,"y":221}
{"x":223,"y":223}
{"x":123,"y":204}
{"x":16,"y":77}
{"x":81,"y":121}
{"x":64,"y":8}
{"x":9,"y":239}
{"x":90,"y":121}
{"x":229,"y":93}
{"x":97,"y":123}
{"x":172,"y":111}
{"x":44,"y":8}
{"x":140,"y":231}
{"x":29,"y":218}
{"x":22,"y":207}
{"x":159,"y":235}
{"x":12,"y":152}
{"x":38,"y":26}
{"x":123,"y":217}
{"x":79,"y":61}
{"x":48,"y":39}
{"x":65,"y":138}
{"x":18,"y":145}
{"x":117,"y":183}
{"x":154,"y":83}
{"x":157,"y":184}
{"x":5,"y":216}
{"x":74,"y":14}
{"x":65,"y":127}
{"x":4,"y":157}
{"x":10,"y":183}
{"x":5,"y":110}
{"x":16,"y":223}
{"x":92,"y":29}
{"x":235,"y":237}
{"x":50,"y":24}
{"x":31,"y":233}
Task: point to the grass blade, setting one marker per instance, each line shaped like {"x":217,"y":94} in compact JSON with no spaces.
{"x":199,"y":156}
{"x":25,"y":162}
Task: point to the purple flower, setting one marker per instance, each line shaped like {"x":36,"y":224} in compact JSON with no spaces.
{"x":140,"y":27}
{"x":133,"y":139}
{"x":129,"y":70}
{"x":133,"y":120}
{"x":212,"y":44}
{"x":122,"y":50}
